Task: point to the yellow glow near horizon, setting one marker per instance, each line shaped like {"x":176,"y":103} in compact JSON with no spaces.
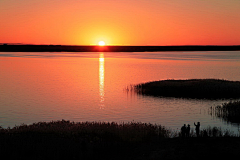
{"x":101,"y":43}
{"x":158,"y":22}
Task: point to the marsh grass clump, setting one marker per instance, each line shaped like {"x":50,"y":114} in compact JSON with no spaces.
{"x":110,"y":140}
{"x":217,"y":132}
{"x":89,"y":140}
{"x":229,"y":112}
{"x":191,"y":88}
{"x":106,"y":131}
{"x":93,"y":131}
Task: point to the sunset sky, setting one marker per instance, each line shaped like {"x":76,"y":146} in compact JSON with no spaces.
{"x":120,"y":22}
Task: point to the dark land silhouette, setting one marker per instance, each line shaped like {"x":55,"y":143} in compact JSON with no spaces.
{"x":69,"y":48}
{"x":191,"y":88}
{"x":94,"y":140}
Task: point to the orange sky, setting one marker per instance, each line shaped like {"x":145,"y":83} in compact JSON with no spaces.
{"x":120,"y":22}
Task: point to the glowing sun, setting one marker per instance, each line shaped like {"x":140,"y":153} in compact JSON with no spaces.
{"x":101,"y":43}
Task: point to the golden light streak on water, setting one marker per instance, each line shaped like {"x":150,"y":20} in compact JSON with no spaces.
{"x":101,"y":80}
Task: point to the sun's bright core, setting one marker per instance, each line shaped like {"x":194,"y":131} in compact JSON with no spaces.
{"x":101,"y":43}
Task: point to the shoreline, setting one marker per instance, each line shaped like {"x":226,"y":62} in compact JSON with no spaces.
{"x":76,"y":48}
{"x":91,"y":140}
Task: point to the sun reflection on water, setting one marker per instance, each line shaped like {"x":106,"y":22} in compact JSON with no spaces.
{"x":101,"y":80}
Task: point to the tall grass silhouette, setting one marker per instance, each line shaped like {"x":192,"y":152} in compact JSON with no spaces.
{"x":131,"y":131}
{"x":109,"y":131}
{"x":229,"y":112}
{"x":109,"y":140}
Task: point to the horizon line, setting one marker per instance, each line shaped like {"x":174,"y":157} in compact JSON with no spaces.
{"x":108,"y":45}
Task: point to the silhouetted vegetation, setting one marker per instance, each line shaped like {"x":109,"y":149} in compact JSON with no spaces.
{"x":129,"y":132}
{"x":191,"y":88}
{"x":133,"y":140}
{"x":229,"y":112}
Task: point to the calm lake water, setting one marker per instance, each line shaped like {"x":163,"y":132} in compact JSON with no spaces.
{"x":92,"y":86}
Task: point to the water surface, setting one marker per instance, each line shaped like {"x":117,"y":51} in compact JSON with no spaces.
{"x":92,"y":86}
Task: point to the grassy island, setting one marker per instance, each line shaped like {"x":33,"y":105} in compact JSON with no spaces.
{"x":191,"y":88}
{"x":104,"y":140}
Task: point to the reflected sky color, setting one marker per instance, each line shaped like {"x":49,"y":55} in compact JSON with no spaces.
{"x":90,"y":86}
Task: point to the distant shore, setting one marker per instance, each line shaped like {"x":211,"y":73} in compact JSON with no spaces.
{"x":69,"y":48}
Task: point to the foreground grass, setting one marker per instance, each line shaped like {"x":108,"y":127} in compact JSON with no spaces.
{"x":229,"y":112}
{"x":94,"y":140}
{"x":95,"y":131}
{"x":191,"y":88}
